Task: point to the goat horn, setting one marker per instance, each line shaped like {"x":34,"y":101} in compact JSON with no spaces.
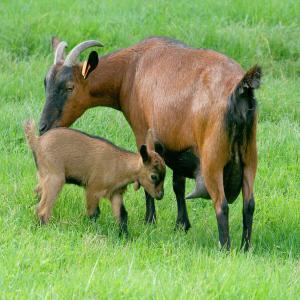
{"x":71,"y":58}
{"x":59,"y":52}
{"x":199,"y":191}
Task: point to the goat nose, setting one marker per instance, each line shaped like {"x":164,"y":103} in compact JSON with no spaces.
{"x":160,"y":195}
{"x":43,"y":127}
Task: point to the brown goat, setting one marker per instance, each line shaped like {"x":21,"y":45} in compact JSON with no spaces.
{"x":200,"y":104}
{"x":65,"y":155}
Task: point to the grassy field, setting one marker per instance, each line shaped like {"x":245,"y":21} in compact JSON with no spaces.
{"x":73,"y":257}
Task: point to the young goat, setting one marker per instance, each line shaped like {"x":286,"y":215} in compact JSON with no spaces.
{"x":65,"y":155}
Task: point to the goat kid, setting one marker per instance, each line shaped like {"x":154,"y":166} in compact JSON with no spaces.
{"x":64,"y":155}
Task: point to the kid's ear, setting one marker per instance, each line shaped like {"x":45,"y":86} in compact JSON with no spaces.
{"x":54,"y":42}
{"x":144,"y":153}
{"x":90,"y":65}
{"x":159,"y":148}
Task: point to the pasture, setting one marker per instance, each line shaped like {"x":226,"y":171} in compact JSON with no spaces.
{"x":73,"y":257}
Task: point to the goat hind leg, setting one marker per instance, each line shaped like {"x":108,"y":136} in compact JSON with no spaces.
{"x":213,"y":177}
{"x":250,"y":165}
{"x":248,"y":206}
{"x":50,"y":187}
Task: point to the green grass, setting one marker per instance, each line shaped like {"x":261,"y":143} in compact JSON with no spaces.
{"x":75,"y":258}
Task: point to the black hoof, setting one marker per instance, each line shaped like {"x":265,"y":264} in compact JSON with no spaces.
{"x":95,"y":215}
{"x":245,"y":246}
{"x":150,"y":219}
{"x":182,"y":225}
{"x":225,"y":248}
{"x":42,"y":220}
{"x":123,"y":233}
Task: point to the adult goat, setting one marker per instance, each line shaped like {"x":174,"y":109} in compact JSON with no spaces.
{"x":199,"y":103}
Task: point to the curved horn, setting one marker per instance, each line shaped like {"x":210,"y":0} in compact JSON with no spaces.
{"x":200,"y":190}
{"x":71,"y":58}
{"x":59,"y":52}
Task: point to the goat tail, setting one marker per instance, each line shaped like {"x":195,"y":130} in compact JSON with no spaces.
{"x":32,"y":139}
{"x":242,"y":106}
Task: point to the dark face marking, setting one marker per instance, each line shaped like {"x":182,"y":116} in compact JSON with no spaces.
{"x":158,"y":170}
{"x":153,"y":174}
{"x":58,"y":88}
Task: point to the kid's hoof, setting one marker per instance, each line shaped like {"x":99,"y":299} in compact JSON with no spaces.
{"x":95,"y":215}
{"x":43,"y":220}
{"x":123,"y":233}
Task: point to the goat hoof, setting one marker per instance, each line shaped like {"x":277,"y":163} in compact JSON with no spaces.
{"x":150,"y":219}
{"x":245,"y":247}
{"x":182,"y":225}
{"x":43,"y":220}
{"x":225,"y":247}
{"x":123,"y":233}
{"x":95,"y":215}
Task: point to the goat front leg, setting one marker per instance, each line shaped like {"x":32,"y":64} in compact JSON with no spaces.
{"x":92,"y":204}
{"x":182,"y":220}
{"x":120,"y":213}
{"x":150,"y":209}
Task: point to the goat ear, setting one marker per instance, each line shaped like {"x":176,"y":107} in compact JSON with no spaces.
{"x":252,"y":78}
{"x":159,"y":148}
{"x":144,"y":153}
{"x":150,"y":139}
{"x":90,"y":65}
{"x":54,"y":42}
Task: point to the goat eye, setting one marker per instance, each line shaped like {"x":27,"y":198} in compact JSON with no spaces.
{"x":154,"y":178}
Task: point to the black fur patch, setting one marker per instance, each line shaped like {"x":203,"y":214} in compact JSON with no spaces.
{"x":242,"y":108}
{"x":232,"y":179}
{"x":240,"y":116}
{"x":184,"y":163}
{"x":73,"y":180}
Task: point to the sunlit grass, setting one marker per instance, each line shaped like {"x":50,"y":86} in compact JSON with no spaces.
{"x":75,"y":258}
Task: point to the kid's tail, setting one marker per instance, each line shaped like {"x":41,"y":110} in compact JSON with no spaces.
{"x":32,"y":139}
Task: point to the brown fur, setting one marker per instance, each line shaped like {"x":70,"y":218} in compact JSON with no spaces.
{"x":180,"y":92}
{"x":102,"y":168}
